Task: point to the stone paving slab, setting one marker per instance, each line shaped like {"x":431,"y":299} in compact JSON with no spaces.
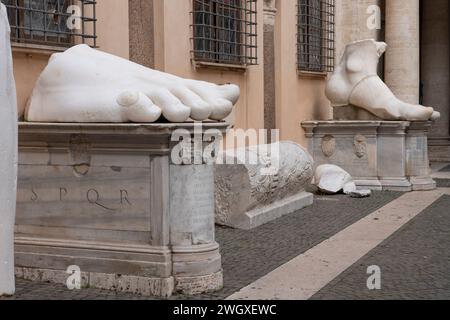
{"x":249,"y":255}
{"x":414,"y":262}
{"x":306,"y":274}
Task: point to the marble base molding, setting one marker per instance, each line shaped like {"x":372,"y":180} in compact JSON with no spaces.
{"x":380,"y":155}
{"x":108,"y":199}
{"x":145,"y":286}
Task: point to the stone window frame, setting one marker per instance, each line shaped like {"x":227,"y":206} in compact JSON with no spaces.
{"x":315,"y":36}
{"x":42,"y":24}
{"x":224,"y":33}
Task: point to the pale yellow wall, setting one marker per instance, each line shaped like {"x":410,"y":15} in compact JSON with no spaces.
{"x":27,"y":68}
{"x":172,"y":54}
{"x":113,"y":27}
{"x":112,"y":32}
{"x":298,"y":98}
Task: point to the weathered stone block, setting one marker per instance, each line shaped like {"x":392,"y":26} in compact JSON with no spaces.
{"x":249,"y":193}
{"x":108,"y":198}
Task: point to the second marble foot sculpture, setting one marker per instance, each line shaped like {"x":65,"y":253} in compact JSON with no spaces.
{"x":355,"y":82}
{"x":86,"y":85}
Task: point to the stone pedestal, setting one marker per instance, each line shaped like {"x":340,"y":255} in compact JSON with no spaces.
{"x":108,"y":199}
{"x":380,"y":155}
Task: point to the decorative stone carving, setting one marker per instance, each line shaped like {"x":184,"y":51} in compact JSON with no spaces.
{"x":249,"y":195}
{"x":8,"y":156}
{"x":355,"y":82}
{"x":328,"y":146}
{"x":86,"y":85}
{"x":360,"y":146}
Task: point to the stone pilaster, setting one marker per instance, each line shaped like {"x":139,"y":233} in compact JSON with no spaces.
{"x":379,"y":155}
{"x":402,"y":69}
{"x":269,"y":64}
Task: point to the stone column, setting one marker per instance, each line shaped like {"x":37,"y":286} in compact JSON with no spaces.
{"x":269,"y":64}
{"x":435,"y":73}
{"x":141,"y":32}
{"x":402,"y":69}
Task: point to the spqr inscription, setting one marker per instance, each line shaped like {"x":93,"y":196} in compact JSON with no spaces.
{"x":93,"y":197}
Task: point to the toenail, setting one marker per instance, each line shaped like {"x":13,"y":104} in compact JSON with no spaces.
{"x":127,"y":99}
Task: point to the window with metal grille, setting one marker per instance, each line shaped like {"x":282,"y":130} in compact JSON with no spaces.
{"x":315,"y":36}
{"x":52,"y":22}
{"x":224,"y":31}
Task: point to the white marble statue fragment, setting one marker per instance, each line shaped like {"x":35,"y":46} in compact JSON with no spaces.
{"x":261,"y":183}
{"x":8,"y":156}
{"x":331,"y":179}
{"x":87,"y":85}
{"x":355,"y":82}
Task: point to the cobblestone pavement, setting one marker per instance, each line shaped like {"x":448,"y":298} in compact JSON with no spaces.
{"x":414,"y":262}
{"x":249,"y":255}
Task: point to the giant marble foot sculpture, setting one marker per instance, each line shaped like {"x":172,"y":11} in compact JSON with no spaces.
{"x":86,"y":85}
{"x":355,"y":82}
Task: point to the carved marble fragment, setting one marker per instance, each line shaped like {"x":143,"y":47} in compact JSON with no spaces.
{"x":249,"y":194}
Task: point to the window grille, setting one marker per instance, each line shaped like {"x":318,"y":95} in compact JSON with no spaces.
{"x":52,"y":22}
{"x":225,"y":31}
{"x":316,"y":35}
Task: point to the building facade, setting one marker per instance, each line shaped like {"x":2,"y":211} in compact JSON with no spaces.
{"x":278,"y":51}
